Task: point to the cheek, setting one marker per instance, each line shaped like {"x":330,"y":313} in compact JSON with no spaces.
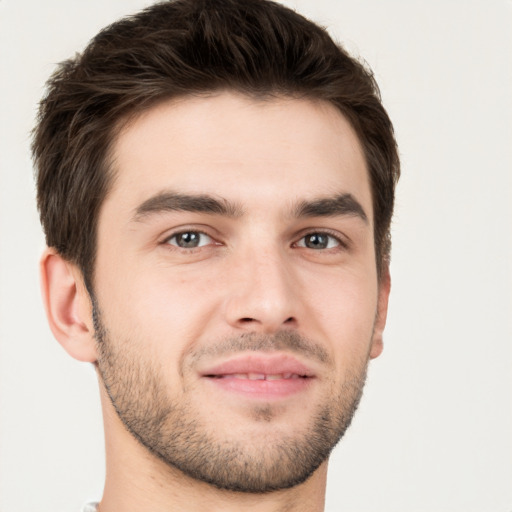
{"x":345,"y":310}
{"x":164,"y":310}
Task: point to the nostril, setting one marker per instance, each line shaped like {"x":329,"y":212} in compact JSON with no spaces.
{"x":246,"y":320}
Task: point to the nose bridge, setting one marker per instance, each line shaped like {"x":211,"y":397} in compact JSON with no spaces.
{"x":262,"y":295}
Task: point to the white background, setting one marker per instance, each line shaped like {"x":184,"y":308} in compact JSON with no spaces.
{"x":434,"y":431}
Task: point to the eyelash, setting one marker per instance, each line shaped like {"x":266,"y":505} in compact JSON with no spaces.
{"x":341,"y":244}
{"x":168,"y":239}
{"x":325,"y":232}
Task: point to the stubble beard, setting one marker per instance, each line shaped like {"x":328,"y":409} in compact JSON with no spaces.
{"x":177,"y":434}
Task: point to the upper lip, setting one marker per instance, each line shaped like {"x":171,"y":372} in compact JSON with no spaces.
{"x":267,"y":364}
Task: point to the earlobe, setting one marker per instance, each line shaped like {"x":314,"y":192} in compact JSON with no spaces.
{"x":67,"y":305}
{"x":382,"y":313}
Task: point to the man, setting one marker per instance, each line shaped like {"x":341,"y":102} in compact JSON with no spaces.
{"x":216,"y":183}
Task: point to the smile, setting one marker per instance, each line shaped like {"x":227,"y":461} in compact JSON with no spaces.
{"x":259,"y":376}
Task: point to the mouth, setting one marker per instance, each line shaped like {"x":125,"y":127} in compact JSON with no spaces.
{"x":258,"y":376}
{"x":261,"y":376}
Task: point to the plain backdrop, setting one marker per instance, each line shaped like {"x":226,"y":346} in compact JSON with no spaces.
{"x":434,"y":431}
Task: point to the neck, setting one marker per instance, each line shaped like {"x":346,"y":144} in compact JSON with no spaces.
{"x":137,"y":480}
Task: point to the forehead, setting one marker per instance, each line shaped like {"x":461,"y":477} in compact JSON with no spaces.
{"x":245,"y":149}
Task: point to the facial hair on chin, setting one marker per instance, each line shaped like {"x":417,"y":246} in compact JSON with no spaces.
{"x":179,"y":436}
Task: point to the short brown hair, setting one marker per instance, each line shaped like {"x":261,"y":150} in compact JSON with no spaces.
{"x":186,"y":47}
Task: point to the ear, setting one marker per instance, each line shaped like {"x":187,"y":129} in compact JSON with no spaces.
{"x":382,"y":313}
{"x":68,"y":306}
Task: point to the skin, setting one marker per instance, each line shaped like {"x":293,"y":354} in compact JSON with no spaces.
{"x":252,"y":274}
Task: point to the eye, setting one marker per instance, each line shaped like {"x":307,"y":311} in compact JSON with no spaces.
{"x":189,"y":239}
{"x":319,"y":241}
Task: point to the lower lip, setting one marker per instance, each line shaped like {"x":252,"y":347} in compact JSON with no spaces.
{"x":261,"y":389}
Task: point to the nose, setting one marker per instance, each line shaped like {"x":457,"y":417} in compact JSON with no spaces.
{"x":262,"y":293}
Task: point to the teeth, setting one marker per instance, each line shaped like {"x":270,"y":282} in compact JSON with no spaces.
{"x":262,"y":376}
{"x":256,"y":376}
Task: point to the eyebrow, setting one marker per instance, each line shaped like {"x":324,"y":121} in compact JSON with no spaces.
{"x":171,"y":201}
{"x":341,"y":204}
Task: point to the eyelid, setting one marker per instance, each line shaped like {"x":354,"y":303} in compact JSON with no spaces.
{"x":187,"y":229}
{"x":201,"y":235}
{"x":342,"y":240}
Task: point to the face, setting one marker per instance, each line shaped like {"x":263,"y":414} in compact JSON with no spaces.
{"x":237,"y":299}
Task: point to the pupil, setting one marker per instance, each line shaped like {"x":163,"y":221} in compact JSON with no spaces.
{"x":316,"y":241}
{"x":188,"y":239}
